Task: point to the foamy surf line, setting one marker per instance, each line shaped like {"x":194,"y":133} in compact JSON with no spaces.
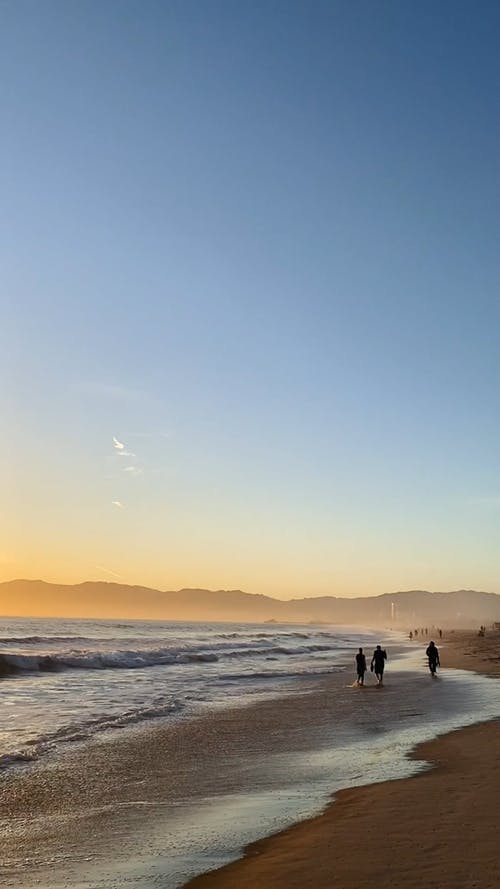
{"x":65,"y":681}
{"x":16,"y":662}
{"x":198,"y":806}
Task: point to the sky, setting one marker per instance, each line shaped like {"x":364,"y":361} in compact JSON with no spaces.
{"x":249,"y":296}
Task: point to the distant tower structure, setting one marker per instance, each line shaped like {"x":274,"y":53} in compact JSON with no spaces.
{"x":393,"y":612}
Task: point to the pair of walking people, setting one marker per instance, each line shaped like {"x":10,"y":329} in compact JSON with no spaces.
{"x":377,"y":665}
{"x":379,"y":658}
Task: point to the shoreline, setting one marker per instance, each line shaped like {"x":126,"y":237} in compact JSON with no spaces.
{"x":418,"y":829}
{"x":116,"y":811}
{"x":414,"y":832}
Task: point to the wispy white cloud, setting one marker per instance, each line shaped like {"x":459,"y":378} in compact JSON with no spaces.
{"x":120,"y":448}
{"x":133,"y":470}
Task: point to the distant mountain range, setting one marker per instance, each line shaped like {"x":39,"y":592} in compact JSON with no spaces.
{"x":409,"y":609}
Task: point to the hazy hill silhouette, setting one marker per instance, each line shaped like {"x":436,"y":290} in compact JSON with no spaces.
{"x":408,"y":609}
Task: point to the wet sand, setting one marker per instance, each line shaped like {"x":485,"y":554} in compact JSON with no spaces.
{"x":98,"y":816}
{"x":114,"y":801}
{"x":438,"y":828}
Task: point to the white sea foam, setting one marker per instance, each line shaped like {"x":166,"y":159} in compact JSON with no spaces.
{"x":68,"y":680}
{"x":14,"y":661}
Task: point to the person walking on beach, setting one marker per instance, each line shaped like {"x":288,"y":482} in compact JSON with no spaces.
{"x":378,"y":663}
{"x":360,"y":667}
{"x":433,"y":656}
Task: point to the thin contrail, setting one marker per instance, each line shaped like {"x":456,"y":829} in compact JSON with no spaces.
{"x":108,"y":571}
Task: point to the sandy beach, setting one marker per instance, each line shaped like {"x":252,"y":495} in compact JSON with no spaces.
{"x":104,"y":815}
{"x":438,"y":828}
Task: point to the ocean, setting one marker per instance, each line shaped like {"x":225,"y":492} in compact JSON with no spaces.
{"x":156,"y":751}
{"x":68,"y":680}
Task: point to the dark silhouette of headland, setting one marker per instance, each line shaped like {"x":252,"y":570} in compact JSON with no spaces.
{"x":37,"y":598}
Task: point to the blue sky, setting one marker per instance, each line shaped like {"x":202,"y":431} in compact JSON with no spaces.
{"x":257,"y":244}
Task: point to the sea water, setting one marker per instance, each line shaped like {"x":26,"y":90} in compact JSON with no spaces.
{"x":69,"y":680}
{"x":368,"y":741}
{"x":78,"y":682}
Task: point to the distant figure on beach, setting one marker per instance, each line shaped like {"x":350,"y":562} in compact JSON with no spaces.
{"x":378,"y":663}
{"x":410,"y":635}
{"x":440,"y":634}
{"x":433,"y":656}
{"x":360,"y":667}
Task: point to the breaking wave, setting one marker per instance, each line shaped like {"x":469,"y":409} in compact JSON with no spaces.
{"x":67,"y":680}
{"x":14,"y":662}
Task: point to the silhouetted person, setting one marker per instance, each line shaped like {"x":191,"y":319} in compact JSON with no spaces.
{"x":360,"y":667}
{"x":440,"y":634}
{"x":433,"y":655}
{"x":378,"y":663}
{"x":410,"y":635}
